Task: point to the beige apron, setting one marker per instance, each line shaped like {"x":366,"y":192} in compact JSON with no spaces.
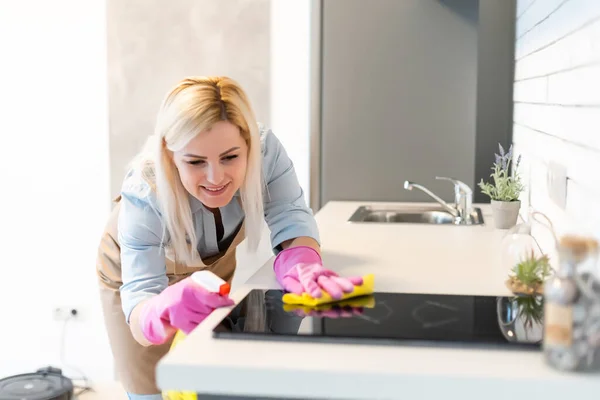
{"x":135,"y":364}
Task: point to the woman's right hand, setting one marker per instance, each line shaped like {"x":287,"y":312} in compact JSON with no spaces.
{"x":182,"y":306}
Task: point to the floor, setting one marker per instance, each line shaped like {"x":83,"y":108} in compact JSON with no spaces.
{"x":104,"y":391}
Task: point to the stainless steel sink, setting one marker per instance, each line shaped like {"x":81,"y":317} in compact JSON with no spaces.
{"x":411,"y":215}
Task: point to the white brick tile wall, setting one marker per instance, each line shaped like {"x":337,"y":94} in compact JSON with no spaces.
{"x":579,"y":125}
{"x":582,"y":207}
{"x":531,"y":90}
{"x":536,"y":13}
{"x":582,"y":162}
{"x":576,"y":87}
{"x":523,"y":6}
{"x":548,"y":21}
{"x":557,"y":108}
{"x":580,"y":48}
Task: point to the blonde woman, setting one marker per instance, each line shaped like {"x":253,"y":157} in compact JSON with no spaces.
{"x":206,"y":179}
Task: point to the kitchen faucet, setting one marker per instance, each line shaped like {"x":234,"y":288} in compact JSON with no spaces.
{"x":463,"y":199}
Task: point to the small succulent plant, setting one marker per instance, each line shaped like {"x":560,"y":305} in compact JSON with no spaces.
{"x":506,"y":185}
{"x":533,"y":270}
{"x":528,"y":276}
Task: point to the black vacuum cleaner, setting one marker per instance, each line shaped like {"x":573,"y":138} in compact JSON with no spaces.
{"x":45,"y":384}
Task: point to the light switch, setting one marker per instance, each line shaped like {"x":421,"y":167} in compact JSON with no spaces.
{"x":557,"y":184}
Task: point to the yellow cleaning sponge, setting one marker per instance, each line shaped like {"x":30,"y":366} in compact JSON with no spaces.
{"x":306,"y":299}
{"x":362,"y":302}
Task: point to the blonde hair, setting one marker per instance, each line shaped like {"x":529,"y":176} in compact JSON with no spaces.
{"x":193,"y":105}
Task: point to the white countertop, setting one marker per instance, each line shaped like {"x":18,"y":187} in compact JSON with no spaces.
{"x":404,"y":258}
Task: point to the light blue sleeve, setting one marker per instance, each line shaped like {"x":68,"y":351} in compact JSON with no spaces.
{"x":286,"y":212}
{"x":143,"y":267}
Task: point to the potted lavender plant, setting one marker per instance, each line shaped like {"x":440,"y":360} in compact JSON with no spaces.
{"x":505,"y":188}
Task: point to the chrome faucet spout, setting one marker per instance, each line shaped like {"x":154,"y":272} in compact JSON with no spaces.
{"x":411,"y":185}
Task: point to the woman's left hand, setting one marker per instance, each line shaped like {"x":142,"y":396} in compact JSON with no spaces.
{"x":300,"y":270}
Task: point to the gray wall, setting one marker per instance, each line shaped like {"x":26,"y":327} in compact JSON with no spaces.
{"x":152,"y":44}
{"x":495,"y":54}
{"x":412,"y":89}
{"x":398,"y":97}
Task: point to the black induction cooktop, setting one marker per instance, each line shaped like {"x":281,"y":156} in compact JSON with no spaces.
{"x":391,"y":318}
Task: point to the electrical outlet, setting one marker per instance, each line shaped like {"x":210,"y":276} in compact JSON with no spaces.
{"x":557,"y":184}
{"x":64,"y":313}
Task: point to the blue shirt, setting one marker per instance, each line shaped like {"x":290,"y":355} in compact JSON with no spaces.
{"x":140,"y":226}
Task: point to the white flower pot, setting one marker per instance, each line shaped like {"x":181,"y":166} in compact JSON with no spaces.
{"x":505,"y":213}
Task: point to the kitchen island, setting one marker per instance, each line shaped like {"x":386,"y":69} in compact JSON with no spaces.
{"x":405,"y":258}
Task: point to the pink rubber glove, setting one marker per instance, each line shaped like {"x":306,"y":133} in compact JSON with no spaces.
{"x":300,"y":269}
{"x":180,"y":306}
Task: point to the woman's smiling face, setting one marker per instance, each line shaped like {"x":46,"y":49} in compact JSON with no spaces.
{"x":212,"y":166}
